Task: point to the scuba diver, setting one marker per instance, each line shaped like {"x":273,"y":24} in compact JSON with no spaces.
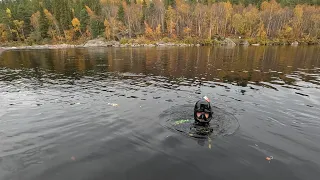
{"x":203,"y":112}
{"x":202,"y":117}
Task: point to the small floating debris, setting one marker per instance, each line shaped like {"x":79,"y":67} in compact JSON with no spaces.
{"x":73,"y":158}
{"x":134,"y":97}
{"x":302,"y":94}
{"x":113,"y":104}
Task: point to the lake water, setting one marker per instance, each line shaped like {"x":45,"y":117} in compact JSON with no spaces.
{"x":103,"y":113}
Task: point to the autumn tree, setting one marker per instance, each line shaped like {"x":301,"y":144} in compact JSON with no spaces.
{"x":8,"y":19}
{"x":227,"y":15}
{"x":297,"y":20}
{"x":107,"y":29}
{"x":76,"y":25}
{"x":148,"y":31}
{"x":33,"y":20}
{"x":170,"y":21}
{"x":3,"y":33}
{"x":238,"y":23}
{"x":269,"y":10}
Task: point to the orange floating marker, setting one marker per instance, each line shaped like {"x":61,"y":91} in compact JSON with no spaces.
{"x":206,"y":98}
{"x":269,"y":158}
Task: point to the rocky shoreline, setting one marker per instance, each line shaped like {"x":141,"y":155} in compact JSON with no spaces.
{"x":102,"y":43}
{"x":94,"y":44}
{"x":98,"y":43}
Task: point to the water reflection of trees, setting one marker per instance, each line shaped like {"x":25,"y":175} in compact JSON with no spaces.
{"x":239,"y":64}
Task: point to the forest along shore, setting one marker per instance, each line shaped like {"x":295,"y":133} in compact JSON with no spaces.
{"x":158,"y":23}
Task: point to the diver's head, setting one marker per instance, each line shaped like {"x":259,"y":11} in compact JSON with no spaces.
{"x":203,"y":111}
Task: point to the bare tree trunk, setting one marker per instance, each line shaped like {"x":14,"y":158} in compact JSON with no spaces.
{"x":270,"y":17}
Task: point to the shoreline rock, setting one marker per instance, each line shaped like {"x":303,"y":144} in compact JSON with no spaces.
{"x":244,"y":43}
{"x":228,"y":42}
{"x":257,"y":44}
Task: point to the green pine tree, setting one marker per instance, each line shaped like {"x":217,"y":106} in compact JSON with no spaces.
{"x":121,"y":13}
{"x":24,"y":12}
{"x":84,"y":19}
{"x":144,"y":11}
{"x":66,"y":16}
{"x":44,"y":26}
{"x":97,"y":28}
{"x":171,"y":3}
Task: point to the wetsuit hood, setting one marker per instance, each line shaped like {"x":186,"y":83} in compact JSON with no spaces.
{"x":203,"y":106}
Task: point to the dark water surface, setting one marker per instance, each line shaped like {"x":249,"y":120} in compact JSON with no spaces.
{"x":101,"y":113}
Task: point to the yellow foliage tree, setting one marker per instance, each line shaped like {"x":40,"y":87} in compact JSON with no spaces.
{"x":228,"y":11}
{"x":104,"y":2}
{"x":107,"y":29}
{"x":170,"y":17}
{"x":76,"y":24}
{"x":262,"y":34}
{"x":268,"y":11}
{"x":69,"y":34}
{"x":19,"y":29}
{"x":148,"y":31}
{"x":3,"y":33}
{"x":186,"y":31}
{"x":54,"y":27}
{"x":49,"y":16}
{"x":251,"y":19}
{"x":8,"y":12}
{"x":90,"y":12}
{"x":34,"y":19}
{"x":298,"y":13}
{"x":158,"y":31}
{"x":238,"y":23}
{"x":286,"y":32}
